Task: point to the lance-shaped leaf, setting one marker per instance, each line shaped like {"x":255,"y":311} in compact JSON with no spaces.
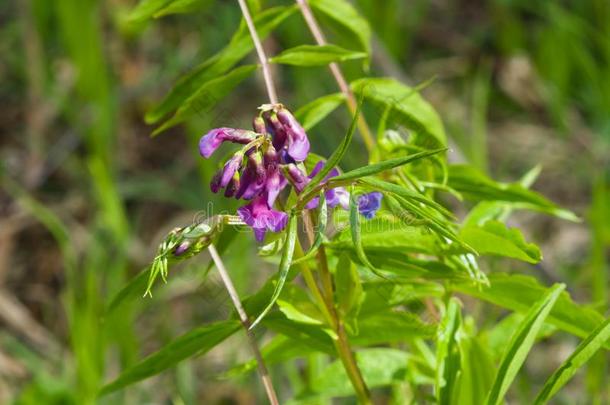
{"x":315,"y":55}
{"x":320,"y":229}
{"x":196,"y":342}
{"x":521,"y":342}
{"x":312,"y":113}
{"x":344,"y":15}
{"x":239,"y":46}
{"x":566,"y":315}
{"x":354,"y":219}
{"x":585,"y":350}
{"x":146,"y":9}
{"x":336,"y":156}
{"x":448,"y":360}
{"x":408,"y":108}
{"x":389,"y":164}
{"x":207,"y":96}
{"x":495,"y":238}
{"x":285,"y":263}
{"x":475,"y":185}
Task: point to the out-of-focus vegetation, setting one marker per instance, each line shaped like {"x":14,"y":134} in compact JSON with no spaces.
{"x":87,"y":195}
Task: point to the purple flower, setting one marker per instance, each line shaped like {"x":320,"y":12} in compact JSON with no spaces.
{"x":369,"y":204}
{"x":230,"y":168}
{"x":253,"y":180}
{"x":298,"y":143}
{"x":213,"y":139}
{"x":334,"y":196}
{"x":261,"y":218}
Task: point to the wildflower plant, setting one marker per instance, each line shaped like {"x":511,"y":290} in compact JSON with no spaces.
{"x":372,"y":261}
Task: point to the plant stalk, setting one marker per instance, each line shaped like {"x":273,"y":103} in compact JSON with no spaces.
{"x":318,"y":35}
{"x":243,"y":317}
{"x":260,"y":52}
{"x":325,"y":298}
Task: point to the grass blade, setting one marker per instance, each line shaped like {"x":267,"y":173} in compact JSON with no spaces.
{"x":521,"y":343}
{"x":354,"y":219}
{"x":386,"y":165}
{"x":585,"y":350}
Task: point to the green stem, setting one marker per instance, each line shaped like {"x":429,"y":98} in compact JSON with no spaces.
{"x":325,"y":301}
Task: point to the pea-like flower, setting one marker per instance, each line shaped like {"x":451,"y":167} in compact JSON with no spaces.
{"x":369,"y":204}
{"x":213,"y":139}
{"x":262,"y":218}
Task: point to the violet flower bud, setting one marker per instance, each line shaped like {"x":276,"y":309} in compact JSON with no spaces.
{"x":213,"y":139}
{"x":230,"y":168}
{"x":298,"y":143}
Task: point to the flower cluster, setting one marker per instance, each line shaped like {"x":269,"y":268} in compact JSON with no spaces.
{"x":271,"y":156}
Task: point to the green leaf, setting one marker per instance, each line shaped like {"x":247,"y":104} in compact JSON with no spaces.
{"x":476,"y":374}
{"x":448,"y":362}
{"x":296,"y":305}
{"x":320,"y":229}
{"x":146,"y":9}
{"x":310,"y":335}
{"x":239,"y":46}
{"x":285,"y":263}
{"x":408,"y":108}
{"x":390,"y":327}
{"x":477,"y":186}
{"x":196,"y":342}
{"x":181,"y":7}
{"x":521,"y":342}
{"x":495,"y":238}
{"x":336,"y":156}
{"x":312,"y":113}
{"x":131,"y":291}
{"x":349,"y":293}
{"x":341,"y":12}
{"x":519,"y":293}
{"x":380,"y":367}
{"x":585,"y":350}
{"x":315,"y":55}
{"x":389,"y":164}
{"x":354,"y":219}
{"x":207,"y":96}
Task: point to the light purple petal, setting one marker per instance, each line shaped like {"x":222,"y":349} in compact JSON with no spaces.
{"x":369,"y":204}
{"x":213,"y":139}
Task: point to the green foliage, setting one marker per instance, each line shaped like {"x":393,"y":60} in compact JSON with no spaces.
{"x":315,"y":55}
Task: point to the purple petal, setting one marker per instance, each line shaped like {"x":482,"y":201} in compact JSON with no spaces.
{"x":369,"y":204}
{"x":213,"y":139}
{"x":261,"y":218}
{"x":337,"y":196}
{"x":298,"y":143}
{"x":230,"y":168}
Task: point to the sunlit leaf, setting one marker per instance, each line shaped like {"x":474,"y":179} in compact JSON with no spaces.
{"x":495,"y":238}
{"x":585,"y":350}
{"x":315,"y":55}
{"x":521,"y":343}
{"x":312,"y":113}
{"x":409,"y":109}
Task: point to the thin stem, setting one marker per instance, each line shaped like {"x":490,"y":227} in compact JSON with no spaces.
{"x":262,"y":368}
{"x":318,"y":35}
{"x":260,"y":52}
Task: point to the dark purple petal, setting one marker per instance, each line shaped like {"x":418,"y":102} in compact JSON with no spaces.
{"x":230,"y":168}
{"x":369,"y":204}
{"x":213,"y":139}
{"x":299,"y":179}
{"x":298,"y":143}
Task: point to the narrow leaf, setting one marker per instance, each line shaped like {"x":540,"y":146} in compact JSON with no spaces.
{"x":354,"y":219}
{"x":312,"y":113}
{"x":585,"y":350}
{"x":342,"y":13}
{"x":448,"y":360}
{"x":285,"y":263}
{"x":408,"y":108}
{"x":315,"y":55}
{"x":495,"y":238}
{"x":389,"y":164}
{"x":196,"y":342}
{"x":521,"y":343}
{"x":320,"y":230}
{"x":207,"y":96}
{"x":336,"y":156}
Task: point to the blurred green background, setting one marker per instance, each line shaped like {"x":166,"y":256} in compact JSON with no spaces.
{"x":87,"y":194}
